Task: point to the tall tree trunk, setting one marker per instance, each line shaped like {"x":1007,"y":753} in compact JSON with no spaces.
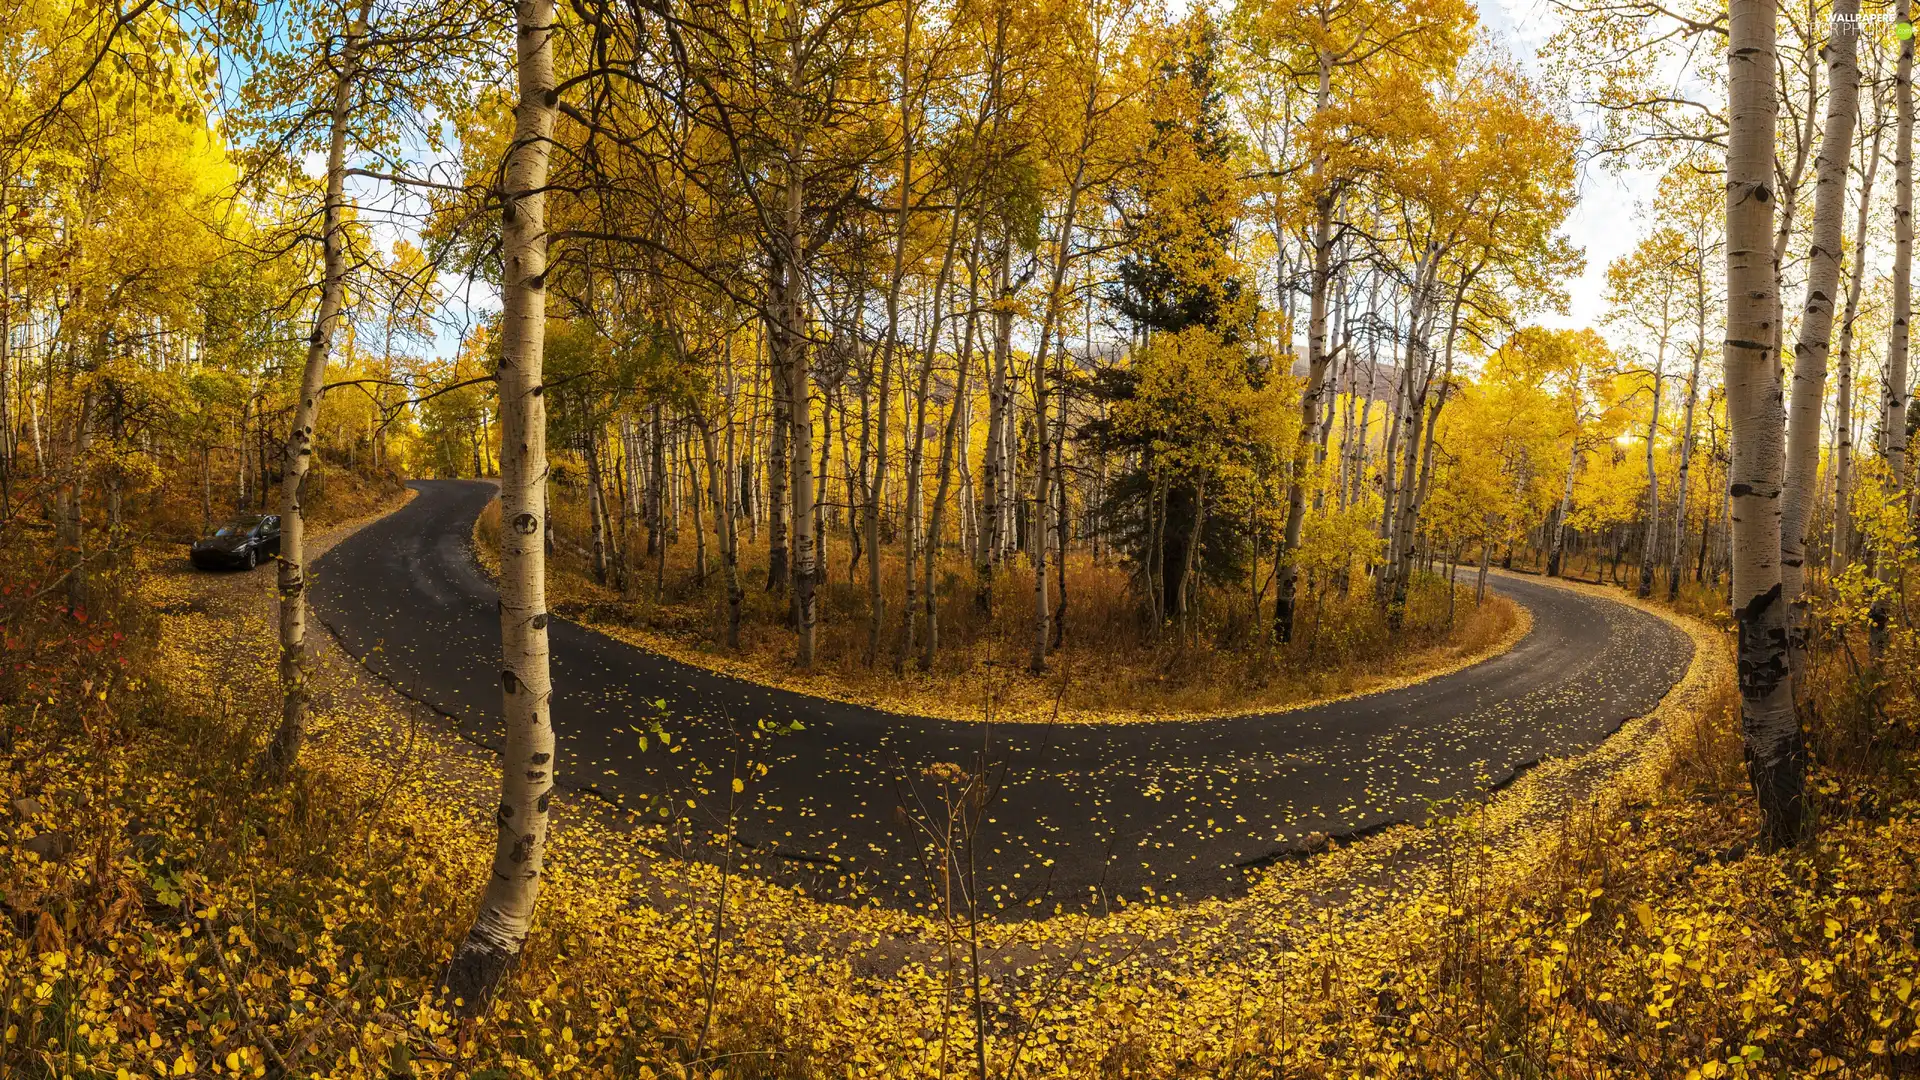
{"x":779,"y":452}
{"x":1686,"y":435}
{"x":806,"y":575}
{"x":1556,"y":548}
{"x":1843,"y":397}
{"x":956,"y":416}
{"x":70,"y":522}
{"x":1062,"y":523}
{"x":1419,"y":384}
{"x":720,"y":482}
{"x":596,"y":509}
{"x":916,"y":450}
{"x":1893,"y":424}
{"x":1049,"y":326}
{"x":1652,"y":540}
{"x":206,"y":490}
{"x":487,"y":954}
{"x":956,"y":421}
{"x":1307,"y":454}
{"x":295,"y":665}
{"x":699,"y":516}
{"x":1409,"y":519}
{"x":656,"y":466}
{"x":1816,"y":319}
{"x":6,"y":357}
{"x":994,"y":483}
{"x":1156,"y":545}
{"x":1770,"y":724}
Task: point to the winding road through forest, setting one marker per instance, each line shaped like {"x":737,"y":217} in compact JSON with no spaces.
{"x":1178,"y":808}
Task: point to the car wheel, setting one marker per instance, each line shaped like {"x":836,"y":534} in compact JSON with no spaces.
{"x":253,"y":558}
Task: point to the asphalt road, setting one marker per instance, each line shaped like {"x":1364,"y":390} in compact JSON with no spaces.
{"x":1078,"y":813}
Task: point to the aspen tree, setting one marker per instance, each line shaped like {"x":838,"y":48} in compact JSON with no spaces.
{"x":487,"y":954}
{"x":1843,"y":540}
{"x":1893,"y":412}
{"x":1816,"y":317}
{"x":1770,"y":725}
{"x":295,"y":664}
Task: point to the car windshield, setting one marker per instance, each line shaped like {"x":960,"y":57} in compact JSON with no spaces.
{"x":236,"y":528}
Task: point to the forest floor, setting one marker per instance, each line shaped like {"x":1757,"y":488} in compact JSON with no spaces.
{"x":1109,"y":669}
{"x":1602,"y":916}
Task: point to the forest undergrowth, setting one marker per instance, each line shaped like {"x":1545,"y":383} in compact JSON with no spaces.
{"x":1110,"y":666}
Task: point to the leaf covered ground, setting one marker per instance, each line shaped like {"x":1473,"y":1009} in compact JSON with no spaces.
{"x":1604,"y":916}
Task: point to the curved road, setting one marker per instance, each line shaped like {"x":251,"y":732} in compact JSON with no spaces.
{"x":1079,"y":812}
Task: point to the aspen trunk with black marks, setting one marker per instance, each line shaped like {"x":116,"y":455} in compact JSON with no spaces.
{"x":596,"y":531}
{"x":1363,"y":429}
{"x":1652,"y":539}
{"x":1787,"y":198}
{"x":656,"y":517}
{"x":778,"y":449}
{"x":822,"y":481}
{"x":1391,"y":423}
{"x":1417,"y":384}
{"x":1893,"y":422}
{"x":240,"y":469}
{"x":1062,"y":517}
{"x":956,"y":420}
{"x":806,"y":576}
{"x":916,"y":455}
{"x":630,"y":468}
{"x":699,"y":516}
{"x":487,"y":955}
{"x":1427,"y":435}
{"x":1307,"y":456}
{"x":1486,"y":560}
{"x":1770,"y":725}
{"x":1042,"y":445}
{"x":616,"y":529}
{"x":1816,"y":322}
{"x":1557,"y":545}
{"x":295,"y":665}
{"x":721,"y":481}
{"x":915,"y":415}
{"x":888,"y":345}
{"x":993,"y":479}
{"x":1679,"y":550}
{"x":7,"y":435}
{"x":1843,"y":543}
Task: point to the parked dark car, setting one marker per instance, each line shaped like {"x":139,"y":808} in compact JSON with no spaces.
{"x":243,"y":543}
